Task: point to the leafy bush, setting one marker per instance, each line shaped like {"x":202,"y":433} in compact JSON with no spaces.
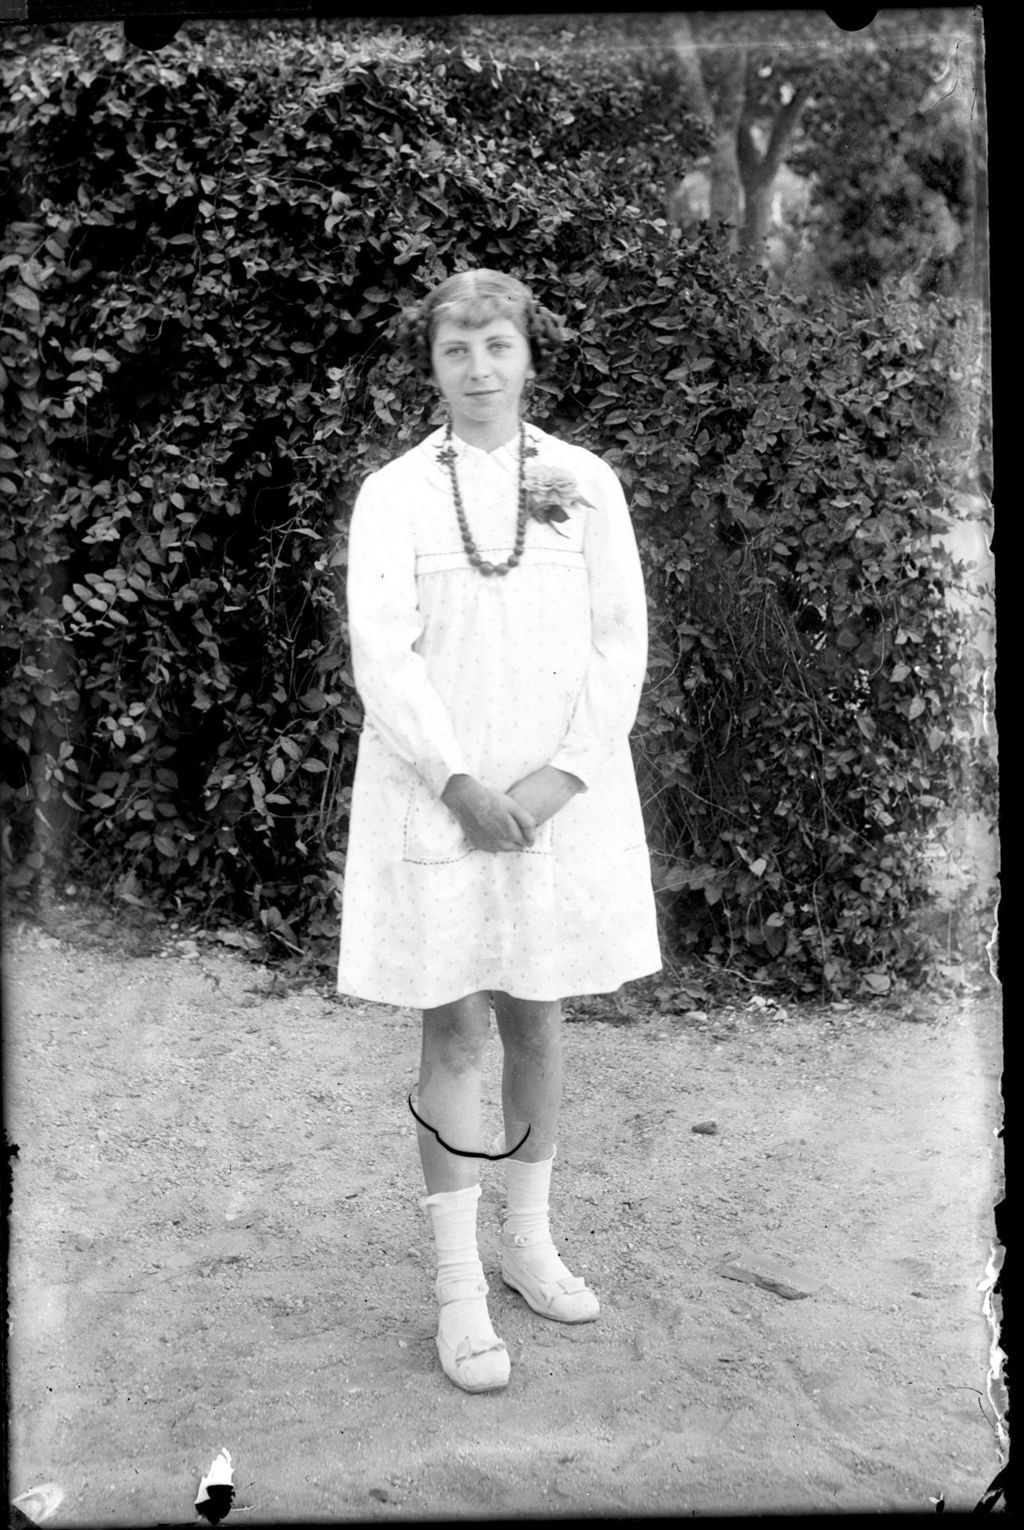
{"x":207,"y":250}
{"x":809,"y":685}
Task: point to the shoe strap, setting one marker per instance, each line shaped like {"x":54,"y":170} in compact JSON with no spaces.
{"x":461,"y":1291}
{"x":528,"y":1240}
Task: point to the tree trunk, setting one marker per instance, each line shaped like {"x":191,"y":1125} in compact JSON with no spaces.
{"x":757,"y":218}
{"x":758,"y":170}
{"x":724,"y":172}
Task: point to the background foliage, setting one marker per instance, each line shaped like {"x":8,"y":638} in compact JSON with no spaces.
{"x":842,"y":157}
{"x":205,"y":253}
{"x":918,"y":206}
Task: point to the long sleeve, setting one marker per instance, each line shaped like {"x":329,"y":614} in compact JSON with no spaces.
{"x":401,"y":703}
{"x":608,"y":702}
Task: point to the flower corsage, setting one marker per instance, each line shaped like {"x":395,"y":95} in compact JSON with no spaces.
{"x":551,"y":492}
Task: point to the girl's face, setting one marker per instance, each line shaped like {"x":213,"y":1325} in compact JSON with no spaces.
{"x":481,"y":373}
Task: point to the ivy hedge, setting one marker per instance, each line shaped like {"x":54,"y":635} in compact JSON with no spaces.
{"x":205,"y":254}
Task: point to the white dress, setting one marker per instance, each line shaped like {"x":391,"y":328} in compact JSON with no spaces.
{"x":495,"y":677}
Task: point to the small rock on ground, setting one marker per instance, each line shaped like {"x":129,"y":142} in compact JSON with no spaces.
{"x":770,"y":1272}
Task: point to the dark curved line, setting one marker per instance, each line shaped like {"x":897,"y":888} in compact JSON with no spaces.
{"x":461,"y":1152}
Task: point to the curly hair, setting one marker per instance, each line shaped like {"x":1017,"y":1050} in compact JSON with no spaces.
{"x":473,"y":298}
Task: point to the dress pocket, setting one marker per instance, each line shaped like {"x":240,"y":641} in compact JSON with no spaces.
{"x":432,"y":835}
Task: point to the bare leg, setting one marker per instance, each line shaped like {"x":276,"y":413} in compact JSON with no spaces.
{"x":454,"y":1037}
{"x":531,"y":1033}
{"x":451,"y":1065}
{"x":531,"y":1081}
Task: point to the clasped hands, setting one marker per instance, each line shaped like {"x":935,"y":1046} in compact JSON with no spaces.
{"x":495,"y":820}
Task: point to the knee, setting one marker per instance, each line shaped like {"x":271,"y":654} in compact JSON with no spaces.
{"x":530,"y":1031}
{"x":454,"y":1041}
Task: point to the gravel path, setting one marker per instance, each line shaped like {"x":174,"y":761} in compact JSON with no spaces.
{"x":216,"y":1243}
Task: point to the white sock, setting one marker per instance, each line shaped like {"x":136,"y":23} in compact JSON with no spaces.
{"x":453,"y":1218}
{"x":461,"y":1287}
{"x":526,"y":1229}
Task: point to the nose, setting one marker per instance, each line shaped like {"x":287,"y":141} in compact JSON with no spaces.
{"x":480,"y":363}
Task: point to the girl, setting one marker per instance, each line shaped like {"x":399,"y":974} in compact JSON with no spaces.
{"x":496,"y":846}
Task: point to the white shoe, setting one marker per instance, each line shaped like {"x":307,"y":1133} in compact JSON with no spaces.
{"x":471,"y":1353}
{"x":540,"y":1277}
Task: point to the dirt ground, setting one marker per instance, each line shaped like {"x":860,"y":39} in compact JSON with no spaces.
{"x":216,"y":1242}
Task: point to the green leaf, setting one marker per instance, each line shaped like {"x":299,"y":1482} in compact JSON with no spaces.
{"x":25,"y":299}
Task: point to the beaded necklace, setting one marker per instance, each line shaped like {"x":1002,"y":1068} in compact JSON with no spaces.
{"x":447,"y":456}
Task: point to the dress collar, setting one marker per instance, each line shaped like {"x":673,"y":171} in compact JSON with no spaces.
{"x":506,"y":456}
